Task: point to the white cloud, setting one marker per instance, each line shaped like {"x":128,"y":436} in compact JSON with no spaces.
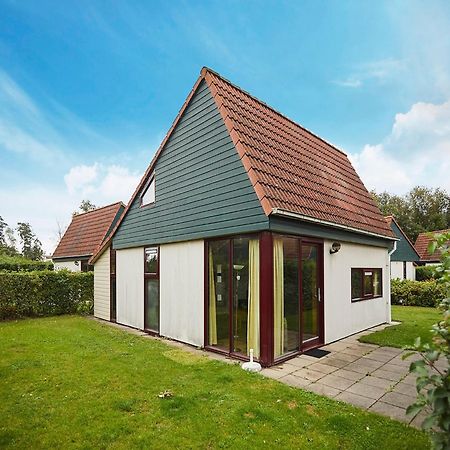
{"x":378,"y":71}
{"x":417,"y":151}
{"x":80,"y":177}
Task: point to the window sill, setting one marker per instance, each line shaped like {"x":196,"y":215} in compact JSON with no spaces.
{"x":357,"y":300}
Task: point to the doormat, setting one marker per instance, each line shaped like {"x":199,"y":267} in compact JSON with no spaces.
{"x":317,"y":353}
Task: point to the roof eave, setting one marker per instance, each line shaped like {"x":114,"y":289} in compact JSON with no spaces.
{"x":292,"y":215}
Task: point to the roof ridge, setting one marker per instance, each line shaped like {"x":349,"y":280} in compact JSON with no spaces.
{"x":99,"y":208}
{"x":207,"y":69}
{"x":425,"y":233}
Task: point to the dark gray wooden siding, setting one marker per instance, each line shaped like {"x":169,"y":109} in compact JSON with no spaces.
{"x":289,"y":226}
{"x":404,"y":251}
{"x":202,"y":188}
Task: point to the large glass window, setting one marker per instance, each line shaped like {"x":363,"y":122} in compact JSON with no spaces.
{"x":233,"y":279}
{"x":151,"y":293}
{"x":366,"y":283}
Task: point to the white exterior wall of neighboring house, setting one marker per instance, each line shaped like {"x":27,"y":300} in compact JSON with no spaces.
{"x":102,"y":286}
{"x":182,"y":291}
{"x":69,"y":265}
{"x":397,"y":270}
{"x":342,"y":317}
{"x":130,"y":287}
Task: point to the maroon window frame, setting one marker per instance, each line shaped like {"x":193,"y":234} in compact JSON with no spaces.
{"x":151,"y":276}
{"x":365,"y":274}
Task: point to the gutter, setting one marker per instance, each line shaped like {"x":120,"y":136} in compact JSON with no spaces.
{"x":281,"y":212}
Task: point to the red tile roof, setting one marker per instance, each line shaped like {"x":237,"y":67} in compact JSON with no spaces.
{"x":87,"y":231}
{"x":292,"y":169}
{"x":422,"y":242}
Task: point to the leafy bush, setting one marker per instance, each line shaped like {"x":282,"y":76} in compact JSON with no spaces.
{"x":433,"y":380}
{"x":19,"y":263}
{"x":45,"y":293}
{"x":424,"y":273}
{"x":416,"y":293}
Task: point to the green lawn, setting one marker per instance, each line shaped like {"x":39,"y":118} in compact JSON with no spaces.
{"x":415,"y":321}
{"x":73,"y":382}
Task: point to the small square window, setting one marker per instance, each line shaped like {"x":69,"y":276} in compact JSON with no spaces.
{"x":148,"y":197}
{"x":366,"y":283}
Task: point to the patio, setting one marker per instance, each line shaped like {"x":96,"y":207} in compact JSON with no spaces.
{"x":365,"y":375}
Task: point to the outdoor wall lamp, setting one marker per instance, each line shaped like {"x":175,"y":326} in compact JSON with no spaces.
{"x":335,"y":247}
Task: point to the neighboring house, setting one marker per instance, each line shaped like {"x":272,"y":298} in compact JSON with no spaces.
{"x":84,"y":236}
{"x":405,"y":256}
{"x":247,"y":231}
{"x":421,"y":245}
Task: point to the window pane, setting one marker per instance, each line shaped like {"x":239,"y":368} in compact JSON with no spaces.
{"x":356,"y":284}
{"x":149,"y":194}
{"x":310,"y":300}
{"x":152,"y":309}
{"x":291,"y":295}
{"x":240,"y":294}
{"x":286,"y":295}
{"x":368,"y":282}
{"x":377,"y":282}
{"x":219,"y":313}
{"x":151,"y":260}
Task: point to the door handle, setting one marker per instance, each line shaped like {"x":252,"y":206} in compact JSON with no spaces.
{"x":318,"y":295}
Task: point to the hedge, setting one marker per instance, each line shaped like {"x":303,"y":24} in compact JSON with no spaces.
{"x":424,"y":273}
{"x":45,"y":293}
{"x":18,"y":263}
{"x":417,"y":293}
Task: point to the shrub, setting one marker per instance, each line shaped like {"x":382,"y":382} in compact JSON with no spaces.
{"x":424,"y":273}
{"x":45,"y":293}
{"x":416,"y":293}
{"x":433,"y":380}
{"x":19,"y":263}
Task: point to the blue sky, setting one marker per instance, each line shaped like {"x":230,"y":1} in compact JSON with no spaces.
{"x":88,"y":89}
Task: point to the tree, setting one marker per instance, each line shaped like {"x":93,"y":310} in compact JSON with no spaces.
{"x":85,"y":206}
{"x":31,"y":245}
{"x":421,"y":209}
{"x":7,"y":239}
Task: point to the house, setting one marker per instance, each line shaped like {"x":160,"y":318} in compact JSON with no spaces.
{"x":405,"y":256}
{"x":84,"y":236}
{"x":247,"y":231}
{"x":421,"y":245}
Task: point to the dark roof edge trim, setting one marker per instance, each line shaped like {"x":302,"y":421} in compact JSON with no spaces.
{"x":282,"y":212}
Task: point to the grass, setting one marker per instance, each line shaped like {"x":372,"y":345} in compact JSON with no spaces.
{"x":73,"y":382}
{"x":415,"y":321}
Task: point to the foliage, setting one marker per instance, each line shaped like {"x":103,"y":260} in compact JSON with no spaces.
{"x":19,"y":263}
{"x":414,"y":321}
{"x":433,"y":381}
{"x":421,"y":209}
{"x":7,"y":239}
{"x":85,"y":206}
{"x":45,"y":293}
{"x":31,"y":245}
{"x":416,"y":293}
{"x":425,"y":273}
{"x":69,"y":382}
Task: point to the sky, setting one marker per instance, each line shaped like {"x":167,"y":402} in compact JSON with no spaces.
{"x":88,"y":89}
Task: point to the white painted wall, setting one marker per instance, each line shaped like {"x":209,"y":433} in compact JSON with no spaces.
{"x":69,"y":265}
{"x":397,"y":270}
{"x":182,"y":291}
{"x":342,"y":317}
{"x":102,"y":286}
{"x":130,"y":287}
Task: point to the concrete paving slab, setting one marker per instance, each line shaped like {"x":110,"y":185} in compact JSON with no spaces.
{"x":323,"y":367}
{"x":381,"y":383}
{"x":366,"y":390}
{"x":337,"y":382}
{"x":355,"y":399}
{"x":323,"y":389}
{"x":348,"y":374}
{"x":396,"y":399}
{"x":382,"y":373}
{"x":294,"y":381}
{"x":309,"y":374}
{"x":394,"y":412}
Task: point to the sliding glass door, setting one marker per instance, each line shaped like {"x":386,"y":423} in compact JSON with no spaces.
{"x":297,"y":299}
{"x":233,"y":295}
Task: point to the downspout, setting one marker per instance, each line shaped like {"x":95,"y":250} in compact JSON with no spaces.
{"x":388,"y":300}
